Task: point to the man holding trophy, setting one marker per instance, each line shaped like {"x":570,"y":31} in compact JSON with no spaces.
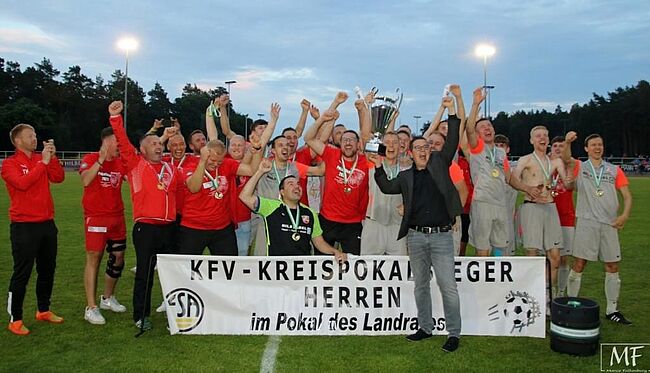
{"x":382,"y":223}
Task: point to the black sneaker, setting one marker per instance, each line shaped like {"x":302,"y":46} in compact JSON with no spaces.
{"x":418,"y":336}
{"x":451,"y":345}
{"x":618,"y":317}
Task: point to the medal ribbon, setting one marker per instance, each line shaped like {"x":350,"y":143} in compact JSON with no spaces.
{"x":599,"y":178}
{"x":277,"y":174}
{"x":392,"y":172}
{"x":493,"y":156}
{"x":180,"y":162}
{"x":546,"y":170}
{"x":214,"y":181}
{"x":294,"y":221}
{"x":346,"y":173}
{"x":162,"y":171}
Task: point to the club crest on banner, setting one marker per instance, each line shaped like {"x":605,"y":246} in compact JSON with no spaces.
{"x":186,"y":307}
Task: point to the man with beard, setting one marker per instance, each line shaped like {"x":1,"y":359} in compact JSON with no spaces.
{"x":280,"y":214}
{"x":598,"y":222}
{"x":431,"y":204}
{"x":490,"y":173}
{"x":33,"y":234}
{"x":154,"y":184}
{"x":345,"y":196}
{"x":101,"y":175}
{"x":538,"y":216}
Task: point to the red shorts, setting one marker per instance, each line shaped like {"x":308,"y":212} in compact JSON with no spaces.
{"x":100,"y":229}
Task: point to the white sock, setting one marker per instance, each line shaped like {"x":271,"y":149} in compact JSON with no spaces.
{"x":573,"y":283}
{"x":562,"y":278}
{"x":612,"y":291}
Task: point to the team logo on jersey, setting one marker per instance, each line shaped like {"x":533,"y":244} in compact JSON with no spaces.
{"x":186,"y":307}
{"x":520,"y":310}
{"x":305,"y":219}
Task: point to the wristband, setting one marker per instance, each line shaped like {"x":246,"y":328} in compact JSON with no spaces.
{"x":100,"y":163}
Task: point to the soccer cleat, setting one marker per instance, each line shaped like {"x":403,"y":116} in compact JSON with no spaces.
{"x":162,"y":308}
{"x":147,"y":324}
{"x":451,"y":345}
{"x":418,"y":336}
{"x":49,"y":316}
{"x":18,"y":328}
{"x":618,"y":317}
{"x":93,"y":316}
{"x":111,"y":303}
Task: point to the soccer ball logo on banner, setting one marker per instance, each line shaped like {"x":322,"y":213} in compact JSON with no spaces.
{"x":520,"y":310}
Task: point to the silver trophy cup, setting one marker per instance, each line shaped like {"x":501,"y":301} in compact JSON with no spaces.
{"x":382,"y":112}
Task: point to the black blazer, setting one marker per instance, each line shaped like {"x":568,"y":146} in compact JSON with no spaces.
{"x":438,"y":167}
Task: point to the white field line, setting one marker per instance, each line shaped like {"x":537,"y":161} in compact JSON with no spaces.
{"x":270,"y":352}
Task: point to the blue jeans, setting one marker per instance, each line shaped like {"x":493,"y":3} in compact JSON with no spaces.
{"x":243,"y":233}
{"x":437,"y":250}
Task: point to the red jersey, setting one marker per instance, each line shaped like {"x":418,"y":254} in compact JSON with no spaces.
{"x":153,"y":186}
{"x":28,"y":183}
{"x":564,"y":204}
{"x":202,"y":209}
{"x":103,"y":196}
{"x":337,"y":205}
{"x":187,"y":163}
{"x":303,"y":155}
{"x":464,"y":165}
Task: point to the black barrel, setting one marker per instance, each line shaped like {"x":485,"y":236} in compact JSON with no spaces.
{"x":575,"y":326}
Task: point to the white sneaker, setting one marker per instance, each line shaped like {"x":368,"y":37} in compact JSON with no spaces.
{"x":162,"y":307}
{"x":93,"y":316}
{"x":111,"y":304}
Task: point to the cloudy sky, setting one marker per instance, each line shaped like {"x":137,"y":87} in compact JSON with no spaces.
{"x":548,"y":52}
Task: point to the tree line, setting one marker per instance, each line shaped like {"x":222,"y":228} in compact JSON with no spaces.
{"x":71,"y":108}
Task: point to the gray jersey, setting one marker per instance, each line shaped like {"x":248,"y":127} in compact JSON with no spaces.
{"x":269,"y":184}
{"x":590,"y":205}
{"x":488,"y":188}
{"x":382,"y":208}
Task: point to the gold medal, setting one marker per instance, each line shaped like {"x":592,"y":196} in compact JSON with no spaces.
{"x":295,"y":236}
{"x":548,"y":186}
{"x":161,"y":186}
{"x":347,"y":190}
{"x":218,"y":195}
{"x":599,"y":193}
{"x":495,"y":172}
{"x":554,"y":193}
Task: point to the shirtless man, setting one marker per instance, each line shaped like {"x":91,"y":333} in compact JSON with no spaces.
{"x":539,"y":219}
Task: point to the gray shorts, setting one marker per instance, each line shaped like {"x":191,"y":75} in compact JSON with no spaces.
{"x":488,"y":228}
{"x":540,"y":226}
{"x":379,"y":239}
{"x":567,"y":235}
{"x":596,"y":241}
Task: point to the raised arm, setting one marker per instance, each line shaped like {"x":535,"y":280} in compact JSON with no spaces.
{"x":127,"y":150}
{"x":311,"y":139}
{"x":195,"y":181}
{"x":157,"y":124}
{"x":247,"y":195}
{"x":470,"y":130}
{"x":451,"y":144}
{"x":460,"y":106}
{"x":300,"y":126}
{"x":435,"y":122}
{"x":270,"y":128}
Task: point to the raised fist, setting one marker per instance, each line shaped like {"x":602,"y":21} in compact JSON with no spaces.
{"x":570,"y":137}
{"x":205,"y":152}
{"x":479,"y":95}
{"x":314,"y":112}
{"x":115,"y":108}
{"x":454,"y":89}
{"x":157,"y":123}
{"x":329,"y":115}
{"x":447,"y":102}
{"x":265,"y":165}
{"x":305,"y":104}
{"x":341,"y":97}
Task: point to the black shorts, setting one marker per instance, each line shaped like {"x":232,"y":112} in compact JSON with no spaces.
{"x":347,"y":234}
{"x":219,"y":241}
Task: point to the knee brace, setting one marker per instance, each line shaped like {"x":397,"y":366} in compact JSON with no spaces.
{"x":113,"y":270}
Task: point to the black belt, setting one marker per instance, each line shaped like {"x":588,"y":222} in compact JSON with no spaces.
{"x":430,"y":230}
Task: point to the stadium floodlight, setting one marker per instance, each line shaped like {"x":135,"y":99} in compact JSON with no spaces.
{"x":126,"y":44}
{"x":484,"y":51}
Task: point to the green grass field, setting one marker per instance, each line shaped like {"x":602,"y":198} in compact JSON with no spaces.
{"x":79,"y":346}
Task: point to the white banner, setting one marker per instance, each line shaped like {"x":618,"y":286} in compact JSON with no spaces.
{"x":369,"y":295}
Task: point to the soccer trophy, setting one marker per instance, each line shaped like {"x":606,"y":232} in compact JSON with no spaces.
{"x":382,"y":113}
